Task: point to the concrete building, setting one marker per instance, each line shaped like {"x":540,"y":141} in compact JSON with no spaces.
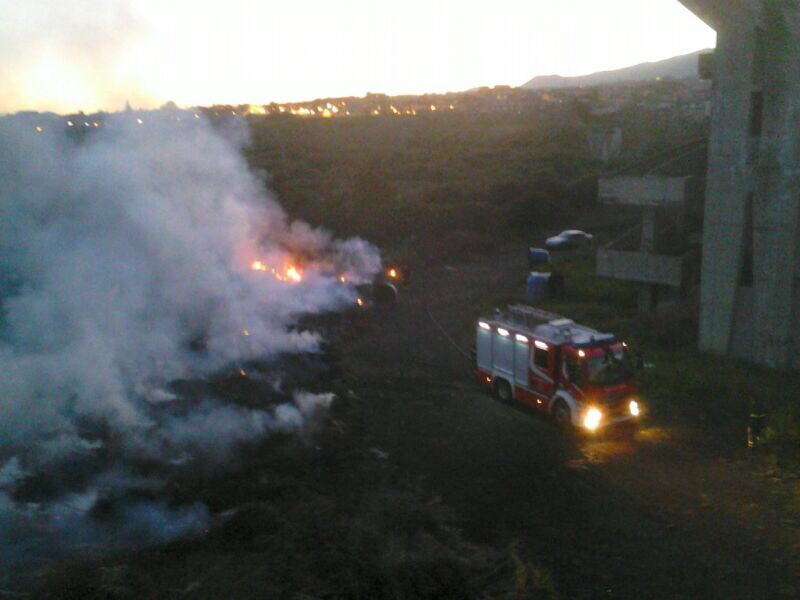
{"x":645,"y":254}
{"x":750,"y":278}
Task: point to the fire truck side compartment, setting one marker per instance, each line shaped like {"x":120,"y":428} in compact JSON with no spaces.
{"x":484,"y":350}
{"x":503,"y":356}
{"x":521,"y":358}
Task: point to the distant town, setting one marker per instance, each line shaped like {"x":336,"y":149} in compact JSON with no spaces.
{"x":687,"y":96}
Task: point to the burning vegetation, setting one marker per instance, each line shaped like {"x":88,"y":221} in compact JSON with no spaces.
{"x":178,"y":279}
{"x":290,"y":273}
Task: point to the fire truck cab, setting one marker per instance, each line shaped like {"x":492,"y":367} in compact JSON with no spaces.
{"x":579,"y":375}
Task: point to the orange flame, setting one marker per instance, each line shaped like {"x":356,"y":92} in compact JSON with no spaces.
{"x":293,"y":274}
{"x":393,"y":273}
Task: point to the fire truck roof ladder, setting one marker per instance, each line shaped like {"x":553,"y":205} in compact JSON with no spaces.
{"x":531,"y":316}
{"x":553,"y":327}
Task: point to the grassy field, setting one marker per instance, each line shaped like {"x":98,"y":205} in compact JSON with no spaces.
{"x":340,"y":513}
{"x":445,"y":184}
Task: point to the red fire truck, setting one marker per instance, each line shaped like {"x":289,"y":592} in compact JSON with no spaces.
{"x":579,"y":375}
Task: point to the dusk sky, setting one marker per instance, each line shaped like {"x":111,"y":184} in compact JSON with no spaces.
{"x":92,"y":54}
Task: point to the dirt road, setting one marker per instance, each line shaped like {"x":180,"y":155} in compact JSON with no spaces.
{"x":667,"y":513}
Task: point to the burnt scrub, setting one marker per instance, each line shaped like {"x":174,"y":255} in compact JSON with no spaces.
{"x":322,"y":514}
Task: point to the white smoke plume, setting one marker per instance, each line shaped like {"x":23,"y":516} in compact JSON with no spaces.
{"x":212,"y":430}
{"x":120,"y":251}
{"x":126,"y":262}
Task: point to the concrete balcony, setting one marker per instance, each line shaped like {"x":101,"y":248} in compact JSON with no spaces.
{"x":651,"y":191}
{"x":641,"y":266}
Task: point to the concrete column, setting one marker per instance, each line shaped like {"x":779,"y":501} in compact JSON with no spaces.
{"x":648,"y":229}
{"x":648,"y":299}
{"x":648,"y":293}
{"x":777,"y":194}
{"x":728,"y":183}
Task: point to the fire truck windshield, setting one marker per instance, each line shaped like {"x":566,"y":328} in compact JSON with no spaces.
{"x":609,"y":368}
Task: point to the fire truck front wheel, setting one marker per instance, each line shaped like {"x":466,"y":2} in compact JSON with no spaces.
{"x":502,"y":390}
{"x":561,"y":414}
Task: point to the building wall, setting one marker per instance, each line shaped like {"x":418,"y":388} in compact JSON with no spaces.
{"x":776,"y":198}
{"x":752,"y":213}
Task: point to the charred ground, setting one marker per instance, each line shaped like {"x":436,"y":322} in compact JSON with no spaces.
{"x":418,"y":485}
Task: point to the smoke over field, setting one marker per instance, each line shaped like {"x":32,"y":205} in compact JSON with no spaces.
{"x":142,"y":254}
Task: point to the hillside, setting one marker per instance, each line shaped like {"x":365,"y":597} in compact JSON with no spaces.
{"x":677,"y":67}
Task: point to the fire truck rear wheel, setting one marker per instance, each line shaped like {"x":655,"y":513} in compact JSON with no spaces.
{"x":561,"y":414}
{"x":502,"y":390}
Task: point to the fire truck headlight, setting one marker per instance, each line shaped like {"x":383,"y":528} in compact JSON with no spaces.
{"x":592,"y":418}
{"x":633,"y":407}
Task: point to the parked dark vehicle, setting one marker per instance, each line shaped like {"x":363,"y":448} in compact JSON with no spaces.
{"x":570,"y":239}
